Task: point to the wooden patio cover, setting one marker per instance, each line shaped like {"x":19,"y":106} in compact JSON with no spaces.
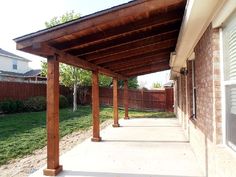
{"x":125,"y":41}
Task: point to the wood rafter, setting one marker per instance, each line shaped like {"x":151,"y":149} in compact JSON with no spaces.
{"x":126,"y":61}
{"x":133,"y":45}
{"x":146,"y":67}
{"x":123,"y":30}
{"x":109,"y":44}
{"x":138,"y":65}
{"x":148,"y":70}
{"x":135,"y":52}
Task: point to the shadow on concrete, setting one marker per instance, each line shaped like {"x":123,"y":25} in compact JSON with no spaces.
{"x":110,"y":174}
{"x":143,"y":141}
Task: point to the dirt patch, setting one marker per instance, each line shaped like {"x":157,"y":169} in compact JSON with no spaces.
{"x":24,"y":166}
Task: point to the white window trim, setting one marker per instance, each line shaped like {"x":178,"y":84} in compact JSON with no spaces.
{"x":193,"y":89}
{"x":224,"y":83}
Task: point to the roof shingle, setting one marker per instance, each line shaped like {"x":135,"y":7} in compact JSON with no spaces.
{"x":6,"y":53}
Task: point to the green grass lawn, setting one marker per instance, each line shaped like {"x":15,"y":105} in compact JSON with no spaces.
{"x":22,"y":133}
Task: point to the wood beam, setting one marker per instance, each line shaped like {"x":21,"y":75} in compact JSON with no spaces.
{"x":75,"y":61}
{"x":148,"y":70}
{"x":121,"y":40}
{"x":148,"y":61}
{"x":133,"y":45}
{"x":126,"y":99}
{"x":53,"y":167}
{"x":147,"y":67}
{"x":145,"y":56}
{"x":95,"y":107}
{"x":136,"y":52}
{"x":115,"y":103}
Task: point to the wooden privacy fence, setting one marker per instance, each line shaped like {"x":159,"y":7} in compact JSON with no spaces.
{"x":161,"y":100}
{"x":22,"y":91}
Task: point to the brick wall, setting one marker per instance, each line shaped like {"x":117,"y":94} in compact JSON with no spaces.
{"x":205,"y":132}
{"x":204,"y":83}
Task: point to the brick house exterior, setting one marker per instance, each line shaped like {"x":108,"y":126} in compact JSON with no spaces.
{"x":202,"y":114}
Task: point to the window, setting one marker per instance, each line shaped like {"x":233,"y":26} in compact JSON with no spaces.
{"x":229,"y":82}
{"x":14,"y":64}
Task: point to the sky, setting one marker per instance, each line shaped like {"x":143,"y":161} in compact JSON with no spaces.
{"x":18,"y":18}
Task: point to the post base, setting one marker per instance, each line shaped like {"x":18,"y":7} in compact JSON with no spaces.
{"x":116,"y":125}
{"x":126,"y":118}
{"x":52,"y":172}
{"x":96,"y":139}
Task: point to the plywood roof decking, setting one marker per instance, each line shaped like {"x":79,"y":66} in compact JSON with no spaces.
{"x":125,"y":41}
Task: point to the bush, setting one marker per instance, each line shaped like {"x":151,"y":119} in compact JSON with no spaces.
{"x":5,"y":106}
{"x":63,"y":102}
{"x":20,"y":106}
{"x":35,"y":104}
{"x":12,"y":106}
{"x":9,"y":106}
{"x":32,"y":104}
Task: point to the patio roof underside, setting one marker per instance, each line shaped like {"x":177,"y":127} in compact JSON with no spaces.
{"x":124,"y":41}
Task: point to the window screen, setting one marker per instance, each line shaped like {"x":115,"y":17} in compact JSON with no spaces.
{"x":229,"y":51}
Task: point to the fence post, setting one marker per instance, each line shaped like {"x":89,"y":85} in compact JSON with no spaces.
{"x":169,"y":99}
{"x":142,"y":102}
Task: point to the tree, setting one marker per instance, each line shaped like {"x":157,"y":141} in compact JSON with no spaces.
{"x":78,"y":79}
{"x":105,"y":81}
{"x":156,"y":85}
{"x":69,"y":74}
{"x":68,"y":16}
{"x":132,"y":83}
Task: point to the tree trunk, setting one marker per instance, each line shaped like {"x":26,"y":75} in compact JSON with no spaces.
{"x":75,"y":98}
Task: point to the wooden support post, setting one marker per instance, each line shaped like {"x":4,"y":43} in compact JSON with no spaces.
{"x":95,"y":107}
{"x":126,"y":100}
{"x":53,"y":167}
{"x":115,"y":103}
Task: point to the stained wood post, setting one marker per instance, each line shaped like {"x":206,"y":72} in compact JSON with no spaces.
{"x":53,"y":167}
{"x":126,"y":100}
{"x":95,"y":107}
{"x":115,"y":103}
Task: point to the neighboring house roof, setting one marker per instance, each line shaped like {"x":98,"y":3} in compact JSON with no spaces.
{"x":31,"y":73}
{"x":13,"y":74}
{"x":11,"y":55}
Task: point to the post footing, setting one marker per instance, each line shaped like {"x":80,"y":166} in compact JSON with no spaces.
{"x":116,"y":125}
{"x":96,"y":139}
{"x":52,"y":172}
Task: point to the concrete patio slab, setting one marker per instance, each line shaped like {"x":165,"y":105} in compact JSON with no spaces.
{"x":139,"y":148}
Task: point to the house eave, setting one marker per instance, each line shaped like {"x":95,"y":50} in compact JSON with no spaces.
{"x":17,"y":58}
{"x":198,"y":15}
